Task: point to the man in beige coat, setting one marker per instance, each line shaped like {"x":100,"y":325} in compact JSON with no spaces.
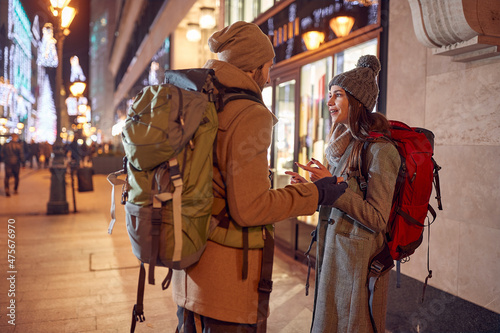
{"x":214,"y":293}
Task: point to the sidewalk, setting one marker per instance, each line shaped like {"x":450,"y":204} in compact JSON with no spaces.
{"x":71,"y":276}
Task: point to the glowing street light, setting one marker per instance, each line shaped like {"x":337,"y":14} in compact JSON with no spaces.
{"x":207,"y":18}
{"x":313,"y":39}
{"x":57,"y":204}
{"x":77,"y":88}
{"x":342,"y":25}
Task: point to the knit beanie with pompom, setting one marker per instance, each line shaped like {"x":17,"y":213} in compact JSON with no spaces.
{"x":361,"y":82}
{"x":243,"y":45}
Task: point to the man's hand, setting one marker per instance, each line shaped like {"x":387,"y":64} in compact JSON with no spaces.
{"x":296,"y":178}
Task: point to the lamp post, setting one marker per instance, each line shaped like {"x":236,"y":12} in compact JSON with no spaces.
{"x":57,"y":202}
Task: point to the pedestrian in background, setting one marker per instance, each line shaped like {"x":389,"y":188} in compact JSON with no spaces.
{"x":351,"y":232}
{"x":217,"y":293}
{"x":13,"y":157}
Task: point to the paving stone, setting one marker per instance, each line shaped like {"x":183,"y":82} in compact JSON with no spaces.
{"x":74,"y":277}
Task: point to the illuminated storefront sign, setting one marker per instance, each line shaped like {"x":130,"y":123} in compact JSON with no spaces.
{"x":288,"y":27}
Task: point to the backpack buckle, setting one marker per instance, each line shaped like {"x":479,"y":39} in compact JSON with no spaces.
{"x":124,"y":197}
{"x":139,"y":313}
{"x":265,"y":286}
{"x":363,"y":186}
{"x":376,"y":267}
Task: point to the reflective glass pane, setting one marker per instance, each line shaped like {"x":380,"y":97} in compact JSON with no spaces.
{"x":284,"y":133}
{"x":314,"y":123}
{"x":267,"y":97}
{"x":347,"y":59}
{"x":265,"y":5}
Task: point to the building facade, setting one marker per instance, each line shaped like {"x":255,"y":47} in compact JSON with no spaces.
{"x":440,"y":70}
{"x":16,"y":95}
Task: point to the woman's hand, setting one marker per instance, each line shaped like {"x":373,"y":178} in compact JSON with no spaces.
{"x":296,"y":178}
{"x":316,"y":169}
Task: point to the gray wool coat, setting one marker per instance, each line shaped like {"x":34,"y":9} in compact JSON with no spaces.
{"x":349,"y":234}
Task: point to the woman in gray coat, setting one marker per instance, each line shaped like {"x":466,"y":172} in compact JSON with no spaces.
{"x":351,"y":231}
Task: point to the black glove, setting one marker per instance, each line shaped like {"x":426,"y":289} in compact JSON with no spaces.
{"x":329,"y":191}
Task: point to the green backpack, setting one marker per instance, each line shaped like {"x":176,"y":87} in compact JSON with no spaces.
{"x":168,"y":139}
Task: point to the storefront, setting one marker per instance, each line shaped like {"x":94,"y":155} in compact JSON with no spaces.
{"x":299,"y":89}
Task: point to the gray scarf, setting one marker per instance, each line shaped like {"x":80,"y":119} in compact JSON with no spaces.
{"x":338,"y":144}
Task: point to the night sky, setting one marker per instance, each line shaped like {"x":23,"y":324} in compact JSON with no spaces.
{"x":77,"y":42}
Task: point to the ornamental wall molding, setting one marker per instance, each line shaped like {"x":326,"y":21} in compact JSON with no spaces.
{"x":466,"y":30}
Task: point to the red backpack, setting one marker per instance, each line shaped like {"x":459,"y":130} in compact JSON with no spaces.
{"x":410,"y":204}
{"x":417,"y":174}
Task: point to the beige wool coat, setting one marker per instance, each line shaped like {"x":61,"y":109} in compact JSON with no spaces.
{"x":214,"y":286}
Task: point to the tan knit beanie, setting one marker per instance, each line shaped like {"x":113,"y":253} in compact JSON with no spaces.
{"x":361,"y":82}
{"x":243,"y":45}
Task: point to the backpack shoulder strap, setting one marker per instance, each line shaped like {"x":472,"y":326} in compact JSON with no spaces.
{"x":362,"y":176}
{"x":233,"y":94}
{"x":380,"y":264}
{"x":265,"y":283}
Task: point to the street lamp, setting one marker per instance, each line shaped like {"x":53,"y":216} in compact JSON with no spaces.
{"x":313,"y":39}
{"x":57,"y":202}
{"x":77,"y":88}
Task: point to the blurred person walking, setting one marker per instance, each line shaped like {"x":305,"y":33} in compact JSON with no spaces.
{"x":12,"y":156}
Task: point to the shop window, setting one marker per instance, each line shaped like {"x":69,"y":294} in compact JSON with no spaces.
{"x":267,"y":98}
{"x":314,"y":122}
{"x":266,"y":4}
{"x":284,"y":133}
{"x":245,"y":10}
{"x":347,"y":59}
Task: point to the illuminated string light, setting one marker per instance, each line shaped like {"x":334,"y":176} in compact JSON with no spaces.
{"x":153,"y":73}
{"x":46,"y":122}
{"x":47,"y":53}
{"x":76,"y":70}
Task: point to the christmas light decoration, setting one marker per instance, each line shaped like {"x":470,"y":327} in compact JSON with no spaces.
{"x":76,"y":70}
{"x":47,"y":53}
{"x":46,"y":122}
{"x":153,"y":76}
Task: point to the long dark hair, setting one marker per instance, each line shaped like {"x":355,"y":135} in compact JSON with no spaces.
{"x":361,"y":122}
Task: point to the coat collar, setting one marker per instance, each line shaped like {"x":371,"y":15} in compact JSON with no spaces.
{"x":231,"y":76}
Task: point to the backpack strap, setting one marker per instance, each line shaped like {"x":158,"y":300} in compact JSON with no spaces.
{"x":233,"y":94}
{"x":158,"y":200}
{"x":380,"y":264}
{"x":314,"y":237}
{"x":175,"y":177}
{"x":362,"y":172}
{"x":155,"y":239}
{"x":138,"y":310}
{"x":437,"y":185}
{"x":265,"y":283}
{"x":244,"y":271}
{"x":115,"y":181}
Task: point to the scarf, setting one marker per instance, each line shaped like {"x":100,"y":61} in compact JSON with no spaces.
{"x":337,"y":145}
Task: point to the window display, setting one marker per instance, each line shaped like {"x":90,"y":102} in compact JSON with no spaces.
{"x":284,"y":133}
{"x":267,"y":98}
{"x":314,"y":123}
